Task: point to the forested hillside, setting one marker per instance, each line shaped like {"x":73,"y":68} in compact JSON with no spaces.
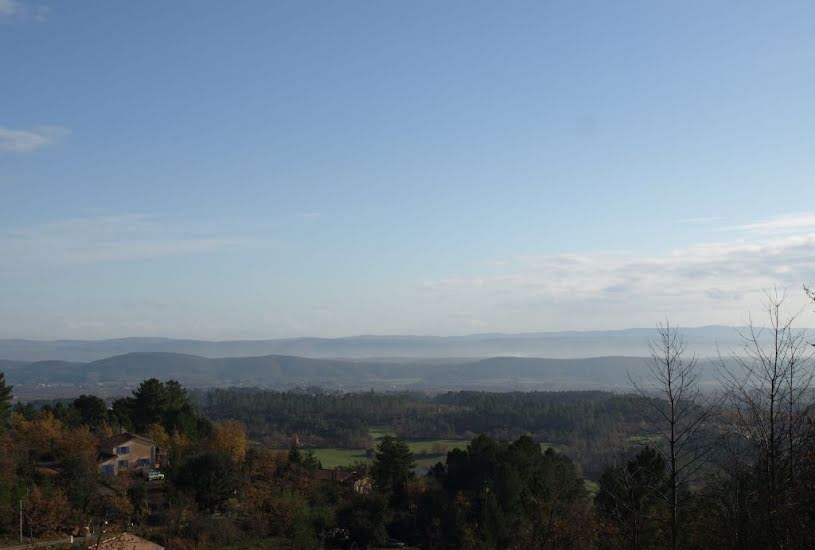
{"x":561,"y":345}
{"x":278,"y":371}
{"x":591,"y":426}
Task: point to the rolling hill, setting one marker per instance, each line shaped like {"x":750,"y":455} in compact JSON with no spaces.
{"x":559,"y":345}
{"x":282,"y":371}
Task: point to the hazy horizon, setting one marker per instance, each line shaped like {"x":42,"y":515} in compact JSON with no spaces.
{"x":704,"y":342}
{"x":682,"y":329}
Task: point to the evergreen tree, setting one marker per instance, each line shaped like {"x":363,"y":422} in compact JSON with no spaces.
{"x":5,"y":401}
{"x":92,"y":410}
{"x":211,"y":478}
{"x":163,"y":403}
{"x":295,"y":456}
{"x":392,"y":468}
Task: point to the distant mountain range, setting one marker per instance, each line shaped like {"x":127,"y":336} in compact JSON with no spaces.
{"x":549,"y":360}
{"x":280,"y":371}
{"x":558,"y":345}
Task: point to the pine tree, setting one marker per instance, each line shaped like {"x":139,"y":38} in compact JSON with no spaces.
{"x":392,"y":468}
{"x":5,"y":401}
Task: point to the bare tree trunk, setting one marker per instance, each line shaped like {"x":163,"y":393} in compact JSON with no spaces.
{"x":679,"y":412}
{"x":769,"y":392}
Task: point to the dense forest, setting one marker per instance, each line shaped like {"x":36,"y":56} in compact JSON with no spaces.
{"x":591,"y":425}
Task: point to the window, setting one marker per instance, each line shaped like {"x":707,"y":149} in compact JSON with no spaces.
{"x":107,"y":469}
{"x":122,"y":450}
{"x":123,"y":464}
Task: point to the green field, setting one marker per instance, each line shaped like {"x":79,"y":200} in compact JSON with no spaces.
{"x":379,"y":433}
{"x":428,"y":451}
{"x":331,"y":457}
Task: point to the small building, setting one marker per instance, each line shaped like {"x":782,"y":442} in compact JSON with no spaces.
{"x":362,"y":484}
{"x":126,"y":451}
{"x":358,"y":482}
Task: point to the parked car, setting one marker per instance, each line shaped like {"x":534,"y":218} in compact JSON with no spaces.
{"x":153,"y":475}
{"x":393,"y":543}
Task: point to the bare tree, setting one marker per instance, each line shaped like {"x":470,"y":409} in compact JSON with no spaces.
{"x":678,"y":412}
{"x":768,"y":384}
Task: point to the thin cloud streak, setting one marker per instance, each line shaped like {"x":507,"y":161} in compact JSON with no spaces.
{"x":18,"y":11}
{"x":699,"y":220}
{"x":116,"y":238}
{"x":780,"y":224}
{"x":9,"y":8}
{"x":309,"y":215}
{"x":721,"y":278}
{"x":26,"y":141}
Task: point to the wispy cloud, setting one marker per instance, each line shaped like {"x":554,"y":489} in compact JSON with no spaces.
{"x":25,"y":141}
{"x":738,"y":266}
{"x":117,"y":238}
{"x":9,"y":8}
{"x":14,"y":9}
{"x":706,"y":282}
{"x":309,"y":215}
{"x":699,"y":220}
{"x":787,"y":223}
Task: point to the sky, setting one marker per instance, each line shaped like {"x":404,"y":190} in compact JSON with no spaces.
{"x":256,"y":169}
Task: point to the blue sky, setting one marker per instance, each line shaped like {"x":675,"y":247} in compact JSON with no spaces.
{"x":267,"y":169}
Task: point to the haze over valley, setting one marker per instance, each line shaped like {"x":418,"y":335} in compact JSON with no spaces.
{"x":501,"y":362}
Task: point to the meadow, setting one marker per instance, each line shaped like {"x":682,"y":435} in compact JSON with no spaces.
{"x":427,"y":451}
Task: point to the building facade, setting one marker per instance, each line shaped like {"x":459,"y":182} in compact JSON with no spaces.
{"x":126,"y":451}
